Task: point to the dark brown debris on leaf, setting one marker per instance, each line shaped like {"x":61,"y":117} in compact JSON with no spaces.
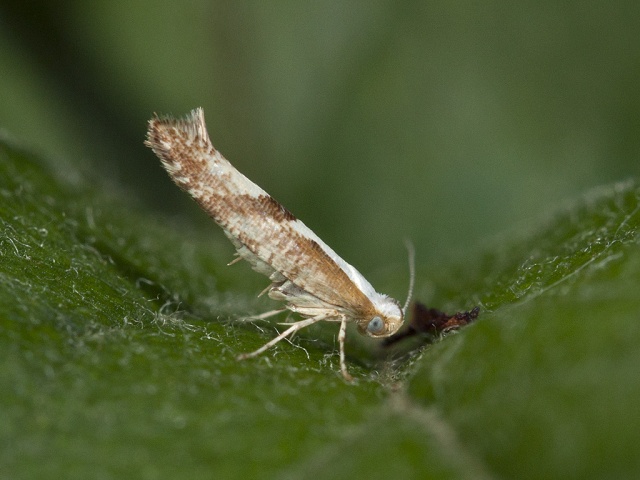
{"x":431,"y":321}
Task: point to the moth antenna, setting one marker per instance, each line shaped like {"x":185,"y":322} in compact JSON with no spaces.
{"x":412,"y":273}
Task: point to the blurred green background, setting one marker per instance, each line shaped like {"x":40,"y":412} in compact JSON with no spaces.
{"x":440,"y":121}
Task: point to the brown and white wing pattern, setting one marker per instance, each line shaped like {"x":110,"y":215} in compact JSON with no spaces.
{"x":305,"y":273}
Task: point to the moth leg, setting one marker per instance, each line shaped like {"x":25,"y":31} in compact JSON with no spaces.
{"x":269,"y":287}
{"x":289,"y":331}
{"x":341,"y":338}
{"x":268,"y":314}
{"x":234,"y":261}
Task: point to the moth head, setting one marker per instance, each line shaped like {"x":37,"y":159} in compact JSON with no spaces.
{"x":384,"y":321}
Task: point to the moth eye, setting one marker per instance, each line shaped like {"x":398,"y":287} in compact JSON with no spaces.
{"x":375,"y":325}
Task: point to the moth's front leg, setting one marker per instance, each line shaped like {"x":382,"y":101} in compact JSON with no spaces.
{"x":289,"y":331}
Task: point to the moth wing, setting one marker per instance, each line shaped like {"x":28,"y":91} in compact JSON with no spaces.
{"x":264,"y":233}
{"x":257,"y":264}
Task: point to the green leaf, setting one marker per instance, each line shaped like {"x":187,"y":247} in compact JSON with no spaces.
{"x":118,"y":337}
{"x":545,"y":384}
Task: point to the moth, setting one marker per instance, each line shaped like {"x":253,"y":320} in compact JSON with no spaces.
{"x":305,"y":273}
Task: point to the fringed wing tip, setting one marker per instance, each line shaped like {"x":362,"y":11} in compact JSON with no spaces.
{"x":165,"y":132}
{"x":193,"y":124}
